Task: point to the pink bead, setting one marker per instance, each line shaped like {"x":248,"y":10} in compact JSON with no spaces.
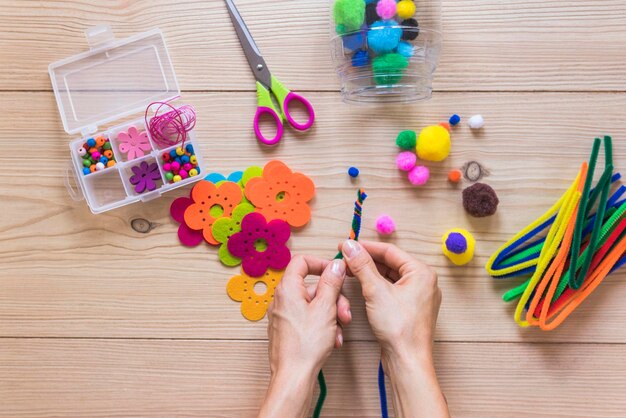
{"x":406,"y":160}
{"x":187,"y":166}
{"x":183,"y":174}
{"x":167,"y":166}
{"x":385,"y":225}
{"x":95,"y":155}
{"x":386,"y":9}
{"x":419,"y":175}
{"x":175,"y":166}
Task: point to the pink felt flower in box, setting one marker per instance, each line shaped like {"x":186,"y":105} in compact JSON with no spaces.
{"x":133,"y":143}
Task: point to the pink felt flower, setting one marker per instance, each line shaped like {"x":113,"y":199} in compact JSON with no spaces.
{"x":261,"y":245}
{"x":133,"y":143}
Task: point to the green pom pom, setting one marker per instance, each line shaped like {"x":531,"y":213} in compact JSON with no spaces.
{"x":340,"y":29}
{"x":407,"y":140}
{"x":389,"y":68}
{"x":350,"y":14}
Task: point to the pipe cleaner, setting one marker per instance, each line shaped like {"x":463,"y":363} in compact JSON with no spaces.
{"x":579,"y":251}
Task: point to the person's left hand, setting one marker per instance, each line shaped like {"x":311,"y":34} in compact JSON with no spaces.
{"x":305,"y":322}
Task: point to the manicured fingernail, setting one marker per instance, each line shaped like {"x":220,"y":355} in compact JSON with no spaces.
{"x":351,"y":248}
{"x":340,"y":338}
{"x":349,"y":312}
{"x":338,"y":268}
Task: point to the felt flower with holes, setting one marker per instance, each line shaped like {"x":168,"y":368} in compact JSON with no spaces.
{"x":224,"y":228}
{"x":211,"y":202}
{"x":187,"y":236}
{"x":254,"y":305}
{"x":145,"y":176}
{"x":281,"y":194}
{"x":133,"y":143}
{"x":261,"y":245}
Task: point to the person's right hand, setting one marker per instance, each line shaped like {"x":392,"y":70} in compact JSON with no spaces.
{"x":401,"y":295}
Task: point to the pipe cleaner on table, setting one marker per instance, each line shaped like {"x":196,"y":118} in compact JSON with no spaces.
{"x":581,"y":248}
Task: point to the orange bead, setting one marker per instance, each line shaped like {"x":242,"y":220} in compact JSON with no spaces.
{"x":110,"y":163}
{"x":100,"y":141}
{"x":92,"y":150}
{"x":92,"y":168}
{"x":108,"y":153}
{"x":445,"y":125}
{"x":454,"y":176}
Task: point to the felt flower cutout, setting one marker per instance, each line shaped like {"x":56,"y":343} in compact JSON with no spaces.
{"x":211,"y":202}
{"x":224,"y":228}
{"x":261,"y":245}
{"x":145,"y":176}
{"x":187,"y":236}
{"x":217,"y":178}
{"x":240,"y":288}
{"x":133,"y":143}
{"x":281,"y":194}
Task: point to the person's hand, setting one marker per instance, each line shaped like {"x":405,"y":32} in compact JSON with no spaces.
{"x":303,"y":328}
{"x":402,"y":302}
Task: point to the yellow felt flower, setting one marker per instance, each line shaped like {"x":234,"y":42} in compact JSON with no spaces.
{"x":240,"y":288}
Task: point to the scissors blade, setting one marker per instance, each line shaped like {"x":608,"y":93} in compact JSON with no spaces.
{"x":250,"y":50}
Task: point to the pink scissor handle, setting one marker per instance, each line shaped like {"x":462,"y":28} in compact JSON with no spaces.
{"x":262,"y":110}
{"x":309,"y":107}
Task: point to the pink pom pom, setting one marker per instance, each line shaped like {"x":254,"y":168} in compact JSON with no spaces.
{"x":406,"y":160}
{"x":385,"y":225}
{"x":419,"y":175}
{"x":386,"y":9}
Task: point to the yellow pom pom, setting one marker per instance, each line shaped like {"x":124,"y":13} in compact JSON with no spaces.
{"x":405,"y":9}
{"x":433,"y":143}
{"x":458,"y":245}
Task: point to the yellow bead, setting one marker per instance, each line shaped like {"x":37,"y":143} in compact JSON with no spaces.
{"x":433,"y":143}
{"x":193,"y":172}
{"x":177,"y":178}
{"x":405,"y":9}
{"x":467,"y":255}
{"x":193,"y":159}
{"x":110,"y":163}
{"x":180,"y":151}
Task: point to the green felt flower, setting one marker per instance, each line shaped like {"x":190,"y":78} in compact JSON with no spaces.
{"x":224,"y":228}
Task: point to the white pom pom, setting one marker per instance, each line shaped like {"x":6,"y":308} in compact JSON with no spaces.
{"x":476,"y":122}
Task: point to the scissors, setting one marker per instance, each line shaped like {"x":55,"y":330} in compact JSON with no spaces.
{"x":268,"y":85}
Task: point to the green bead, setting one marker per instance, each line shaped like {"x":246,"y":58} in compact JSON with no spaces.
{"x":169,"y":175}
{"x":86,"y":162}
{"x":407,"y":140}
{"x":107,"y":145}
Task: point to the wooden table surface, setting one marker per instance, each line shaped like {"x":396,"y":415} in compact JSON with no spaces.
{"x":97,"y":319}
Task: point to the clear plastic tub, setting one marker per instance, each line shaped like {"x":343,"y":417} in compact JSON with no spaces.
{"x":115,"y":79}
{"x":391,"y":54}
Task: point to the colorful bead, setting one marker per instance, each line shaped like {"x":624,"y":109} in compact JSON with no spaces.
{"x":92,"y":150}
{"x":183,"y":174}
{"x":95,"y":155}
{"x":107,"y":145}
{"x":82,"y":151}
{"x":91,"y":142}
{"x":169,"y":176}
{"x":111,"y":163}
{"x":189,"y":148}
{"x":167,"y":166}
{"x":100,"y":141}
{"x":108,"y":153}
{"x":193,"y":160}
{"x":187,"y":167}
{"x":454,"y":119}
{"x":184,"y":159}
{"x":173,"y":153}
{"x":193,"y":172}
{"x":104,"y":160}
{"x":86,"y":162}
{"x":180,"y":151}
{"x":175,"y":166}
{"x":92,"y":168}
{"x":353,"y":172}
{"x":100,"y":166}
{"x":166,"y":156}
{"x":86,"y":170}
{"x":177,"y":178}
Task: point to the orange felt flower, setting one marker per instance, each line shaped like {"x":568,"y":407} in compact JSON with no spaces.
{"x":211,"y":202}
{"x":253,"y":305}
{"x":281,"y":194}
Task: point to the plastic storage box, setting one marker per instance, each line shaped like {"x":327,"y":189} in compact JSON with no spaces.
{"x":114,"y":80}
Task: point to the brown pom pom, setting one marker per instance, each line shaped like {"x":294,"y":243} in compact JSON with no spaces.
{"x":480,"y":200}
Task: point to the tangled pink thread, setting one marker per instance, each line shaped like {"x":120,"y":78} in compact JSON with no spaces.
{"x":170,"y":128}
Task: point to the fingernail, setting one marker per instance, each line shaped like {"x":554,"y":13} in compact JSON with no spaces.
{"x":340,"y":338}
{"x":349,"y":312}
{"x":351,"y":248}
{"x":338,"y":268}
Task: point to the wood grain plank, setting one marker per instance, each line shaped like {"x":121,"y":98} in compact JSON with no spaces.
{"x":490,"y":45}
{"x":99,"y":378}
{"x":68,"y":273}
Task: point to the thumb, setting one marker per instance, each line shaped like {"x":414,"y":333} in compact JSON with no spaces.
{"x":331,"y":281}
{"x":362,"y":267}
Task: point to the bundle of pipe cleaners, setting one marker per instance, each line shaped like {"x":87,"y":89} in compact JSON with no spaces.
{"x":172,"y":127}
{"x":581,"y":247}
{"x":354,"y":235}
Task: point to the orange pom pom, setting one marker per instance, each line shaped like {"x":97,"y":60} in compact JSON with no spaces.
{"x":454,"y":176}
{"x":445,"y":125}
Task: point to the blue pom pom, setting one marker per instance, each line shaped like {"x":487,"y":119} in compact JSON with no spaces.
{"x":405,"y":49}
{"x":353,"y":172}
{"x":353,"y":41}
{"x":384,"y":36}
{"x":454,"y":119}
{"x":456,"y":243}
{"x":360,"y":59}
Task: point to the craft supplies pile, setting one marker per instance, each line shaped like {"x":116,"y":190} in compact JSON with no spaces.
{"x":584,"y":243}
{"x":249,"y":216}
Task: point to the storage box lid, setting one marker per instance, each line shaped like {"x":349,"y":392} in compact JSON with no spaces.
{"x":114,"y":79}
